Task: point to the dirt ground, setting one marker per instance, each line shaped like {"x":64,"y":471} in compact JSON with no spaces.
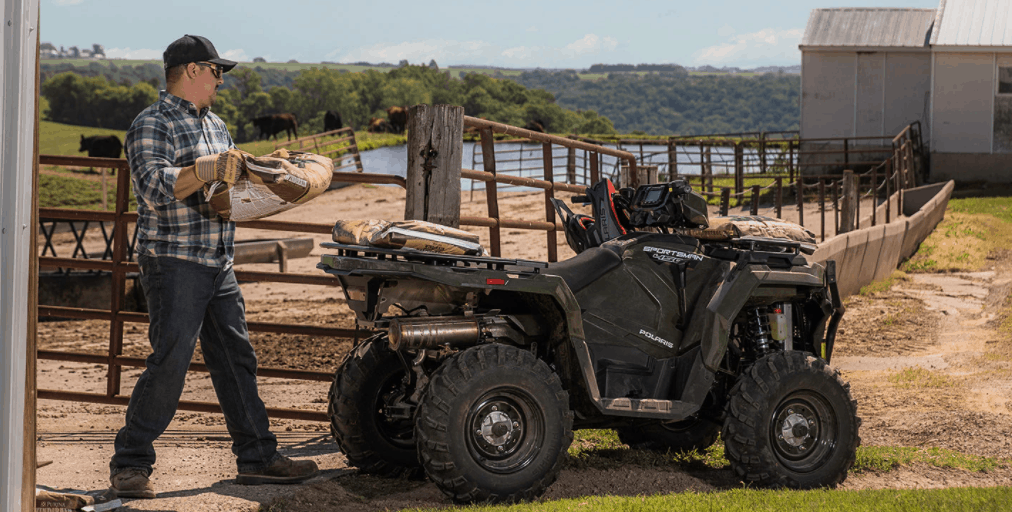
{"x":925,"y":361}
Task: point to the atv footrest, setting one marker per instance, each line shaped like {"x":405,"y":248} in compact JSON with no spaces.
{"x":648,"y":408}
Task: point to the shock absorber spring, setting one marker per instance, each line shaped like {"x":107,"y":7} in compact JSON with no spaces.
{"x":759,"y":329}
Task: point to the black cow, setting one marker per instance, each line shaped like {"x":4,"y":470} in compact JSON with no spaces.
{"x":274,"y":124}
{"x":332,"y":121}
{"x":104,"y":146}
{"x":398,"y":117}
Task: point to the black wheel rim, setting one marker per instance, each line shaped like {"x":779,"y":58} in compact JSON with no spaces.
{"x":803,"y":431}
{"x":398,"y":432}
{"x":505,"y":430}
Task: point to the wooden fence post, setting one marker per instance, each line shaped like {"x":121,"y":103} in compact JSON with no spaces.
{"x":762,"y":152}
{"x":707,"y":176}
{"x":848,"y":213}
{"x":672,"y":159}
{"x":547,"y":163}
{"x":739,"y":167}
{"x":571,"y":166}
{"x":799,"y":188}
{"x":780,"y":196}
{"x":754,"y":208}
{"x":725,"y":201}
{"x":822,"y":208}
{"x":435,"y":148}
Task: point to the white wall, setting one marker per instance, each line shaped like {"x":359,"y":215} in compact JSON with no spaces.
{"x":856,"y":94}
{"x":963,"y":102}
{"x":17,"y":128}
{"x":870,"y":86}
{"x":907,"y":91}
{"x":827,"y":94}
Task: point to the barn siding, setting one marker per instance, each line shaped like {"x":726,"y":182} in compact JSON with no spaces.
{"x":827,"y":94}
{"x":963,"y":111}
{"x":870,"y":93}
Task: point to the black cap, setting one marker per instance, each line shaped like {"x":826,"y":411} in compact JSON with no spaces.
{"x":189,"y":49}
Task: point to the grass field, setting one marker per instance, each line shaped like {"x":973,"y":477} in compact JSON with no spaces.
{"x":66,"y":188}
{"x":751,"y":500}
{"x":972,"y":231}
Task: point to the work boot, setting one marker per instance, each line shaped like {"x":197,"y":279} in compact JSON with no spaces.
{"x":282,"y":471}
{"x":132,"y":483}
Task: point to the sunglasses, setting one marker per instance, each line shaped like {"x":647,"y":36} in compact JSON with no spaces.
{"x":215,"y":69}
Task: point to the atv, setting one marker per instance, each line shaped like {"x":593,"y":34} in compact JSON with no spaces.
{"x":484,"y":366}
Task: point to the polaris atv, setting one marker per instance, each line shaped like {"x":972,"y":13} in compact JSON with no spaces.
{"x":484,"y":366}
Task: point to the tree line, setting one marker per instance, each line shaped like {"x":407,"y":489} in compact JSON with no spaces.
{"x":103,"y":101}
{"x":661,"y":104}
{"x":668,"y":101}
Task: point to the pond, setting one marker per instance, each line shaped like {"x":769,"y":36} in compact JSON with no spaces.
{"x":526,"y":160}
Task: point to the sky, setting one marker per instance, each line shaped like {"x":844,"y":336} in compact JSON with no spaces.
{"x":509,"y":34}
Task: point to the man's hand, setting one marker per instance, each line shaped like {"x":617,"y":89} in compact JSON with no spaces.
{"x":226,"y":166}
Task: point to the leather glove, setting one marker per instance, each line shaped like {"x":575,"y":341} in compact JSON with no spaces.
{"x":225,"y":167}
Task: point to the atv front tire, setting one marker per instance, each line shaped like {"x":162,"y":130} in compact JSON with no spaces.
{"x":677,"y":436}
{"x":494,"y":425}
{"x":371,"y":377}
{"x":791,"y":422}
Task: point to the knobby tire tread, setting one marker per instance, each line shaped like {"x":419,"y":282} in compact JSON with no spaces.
{"x":345,"y":416}
{"x":755,"y":462}
{"x":433,"y":437}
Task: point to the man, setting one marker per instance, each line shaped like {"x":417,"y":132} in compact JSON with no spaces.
{"x":184,"y":249}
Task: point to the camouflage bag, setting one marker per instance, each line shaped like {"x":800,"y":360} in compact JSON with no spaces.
{"x":728,"y":228}
{"x":410,"y":234}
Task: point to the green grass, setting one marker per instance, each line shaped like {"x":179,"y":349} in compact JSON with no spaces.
{"x":65,"y":139}
{"x":973,"y":231}
{"x":751,"y":500}
{"x":602,"y":448}
{"x":887,"y":458}
{"x":69,"y":192}
{"x":884,"y":284}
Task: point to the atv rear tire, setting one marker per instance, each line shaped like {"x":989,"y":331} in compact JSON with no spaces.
{"x":677,"y":436}
{"x":791,"y":422}
{"x":370,"y":377}
{"x":494,"y":425}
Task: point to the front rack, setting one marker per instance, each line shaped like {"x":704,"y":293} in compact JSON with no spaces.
{"x":432,"y":258}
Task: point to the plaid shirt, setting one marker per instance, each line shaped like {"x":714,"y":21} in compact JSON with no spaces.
{"x":164,"y":138}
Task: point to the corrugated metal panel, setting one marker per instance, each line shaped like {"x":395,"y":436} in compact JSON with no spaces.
{"x":974,"y":23}
{"x":869,"y":27}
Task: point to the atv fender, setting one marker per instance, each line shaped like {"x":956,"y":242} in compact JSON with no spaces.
{"x":720,"y":313}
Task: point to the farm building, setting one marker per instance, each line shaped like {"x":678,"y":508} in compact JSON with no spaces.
{"x":869,"y":72}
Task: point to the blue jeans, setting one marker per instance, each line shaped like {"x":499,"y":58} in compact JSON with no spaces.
{"x":186,"y":299}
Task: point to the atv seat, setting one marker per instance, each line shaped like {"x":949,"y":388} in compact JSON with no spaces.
{"x":585,"y":268}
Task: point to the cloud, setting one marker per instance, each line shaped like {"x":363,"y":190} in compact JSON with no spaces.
{"x":67,"y":2}
{"x":237,"y":55}
{"x":139,"y":54}
{"x":767,"y":46}
{"x":591,"y":43}
{"x":451,"y":52}
{"x":725,"y":31}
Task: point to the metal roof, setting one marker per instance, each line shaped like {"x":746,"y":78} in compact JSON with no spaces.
{"x":870,"y":27}
{"x":973,"y":23}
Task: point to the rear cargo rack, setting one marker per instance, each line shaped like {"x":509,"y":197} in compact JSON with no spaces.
{"x":432,"y":258}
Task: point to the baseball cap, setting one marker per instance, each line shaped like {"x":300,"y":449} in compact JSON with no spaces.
{"x":189,"y":49}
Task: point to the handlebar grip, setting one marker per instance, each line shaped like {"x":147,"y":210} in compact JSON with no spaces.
{"x":580,"y":199}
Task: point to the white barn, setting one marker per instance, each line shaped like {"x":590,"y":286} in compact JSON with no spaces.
{"x":870,"y":72}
